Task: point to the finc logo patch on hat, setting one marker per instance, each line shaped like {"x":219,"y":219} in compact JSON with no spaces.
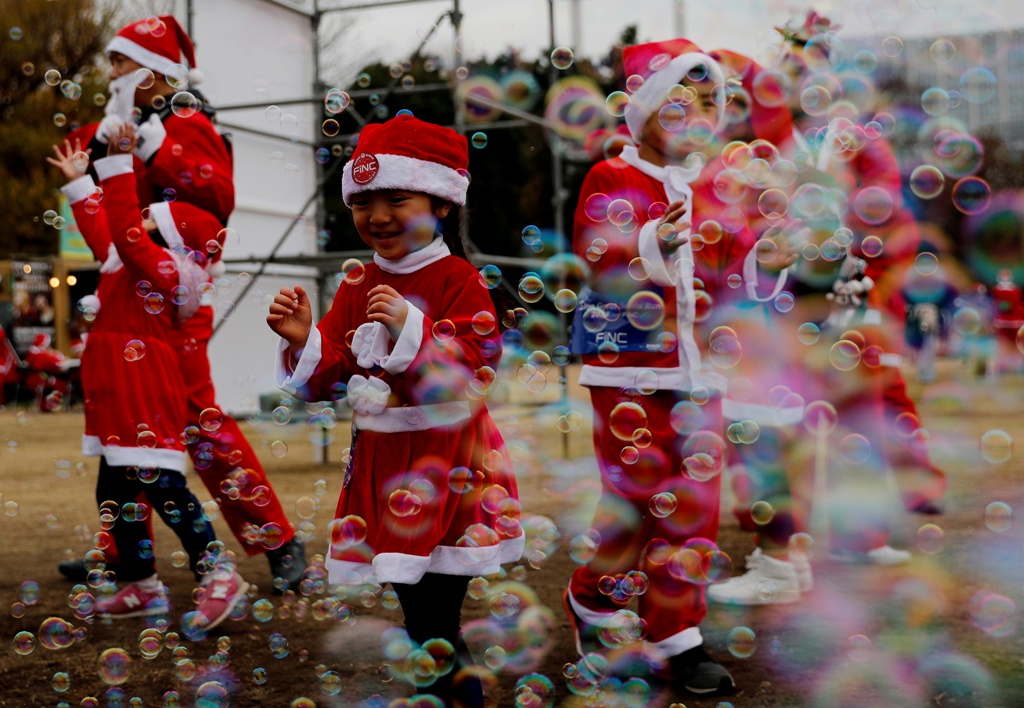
{"x":365,"y":168}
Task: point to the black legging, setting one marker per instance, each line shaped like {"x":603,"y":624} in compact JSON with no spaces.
{"x":433,"y":610}
{"x":185,"y":517}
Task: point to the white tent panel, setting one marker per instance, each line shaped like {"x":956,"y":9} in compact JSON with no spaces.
{"x":259,"y":52}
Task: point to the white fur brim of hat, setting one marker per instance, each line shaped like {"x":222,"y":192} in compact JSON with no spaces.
{"x":650,"y":97}
{"x":161,"y":214}
{"x":151,"y":60}
{"x":410,"y":174}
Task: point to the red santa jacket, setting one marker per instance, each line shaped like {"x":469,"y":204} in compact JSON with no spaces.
{"x":134,"y":393}
{"x":628,"y":321}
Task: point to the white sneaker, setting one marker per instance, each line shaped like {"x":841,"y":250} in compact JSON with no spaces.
{"x":802,"y":566}
{"x":767,"y":581}
{"x":883,"y":555}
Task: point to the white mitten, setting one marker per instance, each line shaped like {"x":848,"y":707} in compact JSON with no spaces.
{"x":151,"y":137}
{"x":110,"y":124}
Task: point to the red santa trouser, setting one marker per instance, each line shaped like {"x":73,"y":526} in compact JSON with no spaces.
{"x":919,"y":479}
{"x":625,"y":522}
{"x":227,"y":464}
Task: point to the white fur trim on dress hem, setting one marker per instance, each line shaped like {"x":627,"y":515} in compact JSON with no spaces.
{"x":411,"y":174}
{"x":447,"y":560}
{"x":669,"y":379}
{"x":292,"y":379}
{"x":410,"y":418}
{"x":136,"y":456}
{"x":91,"y":446}
{"x":761,"y":413}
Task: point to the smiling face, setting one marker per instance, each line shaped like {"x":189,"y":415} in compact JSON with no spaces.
{"x":667,"y":141}
{"x":395,"y":222}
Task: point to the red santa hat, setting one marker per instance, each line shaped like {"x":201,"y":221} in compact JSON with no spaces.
{"x":157,"y":43}
{"x":185,"y":225}
{"x":771,"y":123}
{"x":662,"y":65}
{"x":410,"y":154}
{"x":41,"y":341}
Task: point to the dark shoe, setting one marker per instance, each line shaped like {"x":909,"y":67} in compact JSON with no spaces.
{"x":75,"y":570}
{"x":584,"y":634}
{"x":929,"y":507}
{"x":287,"y":565}
{"x":696,"y":672}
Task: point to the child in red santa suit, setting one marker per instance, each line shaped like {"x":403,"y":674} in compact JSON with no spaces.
{"x":661,"y":247}
{"x":49,"y":373}
{"x":134,"y":402}
{"x":182,"y":157}
{"x":428,"y":500}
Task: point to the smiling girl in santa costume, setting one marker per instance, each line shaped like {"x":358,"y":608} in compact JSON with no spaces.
{"x":428,"y":500}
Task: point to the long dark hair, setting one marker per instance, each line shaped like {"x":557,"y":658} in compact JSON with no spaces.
{"x":450,"y":229}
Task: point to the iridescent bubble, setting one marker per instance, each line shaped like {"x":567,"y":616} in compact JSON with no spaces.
{"x":478,"y":140}
{"x":645,"y":310}
{"x":855,"y":448}
{"x":761,"y":512}
{"x":565,"y":300}
{"x":844,"y":355}
{"x":935,"y":101}
{"x":930,"y":539}
{"x":742,"y":642}
{"x":113,"y":666}
{"x":616,"y":103}
{"x":24,"y":643}
{"x":211,"y":419}
{"x":562,"y":57}
{"x":994,"y":614}
{"x":971,"y":195}
{"x":998,"y":517}
{"x":639,"y":269}
{"x":927,"y":181}
{"x":926,"y":263}
{"x":55,"y":633}
{"x":625,"y":419}
{"x":978,"y":85}
{"x":134,"y":350}
{"x":942,"y":51}
{"x":820,"y":417}
{"x":663,"y":504}
{"x":996,"y":447}
{"x":874,"y":205}
{"x":672,"y":117}
{"x":491,"y":275}
{"x":531,"y":288}
{"x":892,"y":46}
{"x":771,"y":88}
{"x":185,"y":104}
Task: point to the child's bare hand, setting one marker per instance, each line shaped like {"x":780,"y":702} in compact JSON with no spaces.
{"x":675,"y":219}
{"x":72,"y":161}
{"x":122,"y":140}
{"x":776,"y":250}
{"x":387,"y":306}
{"x":291,"y":317}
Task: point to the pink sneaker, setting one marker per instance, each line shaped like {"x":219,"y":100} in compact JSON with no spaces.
{"x":224,"y":590}
{"x":133,"y":601}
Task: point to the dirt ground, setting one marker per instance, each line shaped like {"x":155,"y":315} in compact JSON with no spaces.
{"x":943,"y":631}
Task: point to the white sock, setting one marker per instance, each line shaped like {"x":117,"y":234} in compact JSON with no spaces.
{"x":151,"y":583}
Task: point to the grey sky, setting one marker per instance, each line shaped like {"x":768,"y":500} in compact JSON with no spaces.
{"x":390,"y":33}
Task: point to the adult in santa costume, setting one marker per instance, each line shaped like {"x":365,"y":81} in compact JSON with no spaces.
{"x":428,"y":499}
{"x":661,"y":247}
{"x":861,"y":165}
{"x":181,"y":157}
{"x":1007,"y":321}
{"x":134,"y":402}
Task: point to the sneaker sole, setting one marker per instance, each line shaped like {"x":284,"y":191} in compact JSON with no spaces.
{"x":725,"y":687}
{"x":243,"y":588}
{"x":135,"y":613}
{"x":781,"y":599}
{"x":863,"y":559}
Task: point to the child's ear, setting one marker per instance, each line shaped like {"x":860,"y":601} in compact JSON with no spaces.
{"x":442,"y":210}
